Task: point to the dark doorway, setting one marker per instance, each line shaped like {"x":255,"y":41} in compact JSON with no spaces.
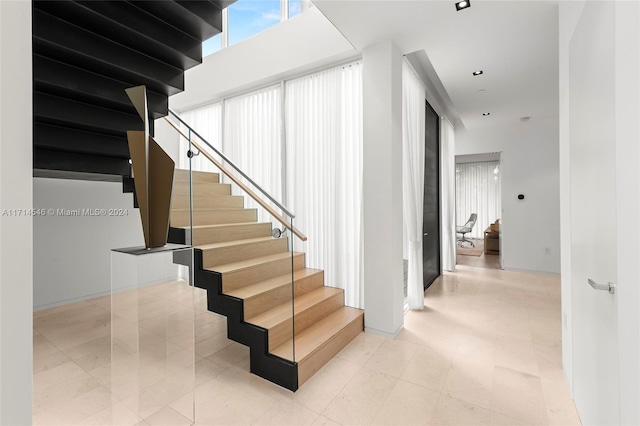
{"x":431,"y":212}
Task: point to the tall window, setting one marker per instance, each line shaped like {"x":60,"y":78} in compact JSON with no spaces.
{"x":207,"y":122}
{"x":249,"y":17}
{"x":253,"y":140}
{"x":324,"y":173}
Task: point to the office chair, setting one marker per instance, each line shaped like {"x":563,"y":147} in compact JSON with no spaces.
{"x":465,"y":229}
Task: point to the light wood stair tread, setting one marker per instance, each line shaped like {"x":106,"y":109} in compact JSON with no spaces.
{"x":234,"y":243}
{"x":264,"y":286}
{"x":282,"y":313}
{"x":219,"y":225}
{"x":314,"y":337}
{"x":209,"y":209}
{"x":184,"y":173}
{"x":248,"y":263}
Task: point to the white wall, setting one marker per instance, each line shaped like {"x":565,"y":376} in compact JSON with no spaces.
{"x":569,"y":14}
{"x":300,"y":44}
{"x":626,"y":50}
{"x":72,"y":254}
{"x":530,"y":166}
{"x":16,"y":258}
{"x":382,"y":192}
{"x":627,"y":38}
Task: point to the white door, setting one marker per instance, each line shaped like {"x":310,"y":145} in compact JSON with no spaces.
{"x":593,"y":215}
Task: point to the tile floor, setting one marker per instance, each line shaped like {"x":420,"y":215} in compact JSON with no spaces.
{"x":491,"y":261}
{"x":485,"y":350}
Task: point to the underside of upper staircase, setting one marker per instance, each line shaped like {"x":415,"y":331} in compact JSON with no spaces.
{"x":86,"y":53}
{"x":274,"y":304}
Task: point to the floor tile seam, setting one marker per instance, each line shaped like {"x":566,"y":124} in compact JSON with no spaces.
{"x":380,"y":404}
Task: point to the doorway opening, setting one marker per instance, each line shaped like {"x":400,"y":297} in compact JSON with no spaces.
{"x":479,"y":210}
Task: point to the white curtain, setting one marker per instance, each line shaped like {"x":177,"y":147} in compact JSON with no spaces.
{"x":207,"y":121}
{"x":253,"y":142}
{"x":448,"y":194}
{"x":324,"y":173}
{"x":478,"y":191}
{"x":413,"y":137}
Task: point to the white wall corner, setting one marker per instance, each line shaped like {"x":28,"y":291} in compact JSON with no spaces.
{"x":16,"y":244}
{"x":568,"y":17}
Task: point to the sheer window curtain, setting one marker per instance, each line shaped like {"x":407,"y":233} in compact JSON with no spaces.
{"x":207,"y":121}
{"x":253,"y":141}
{"x":448,"y":194}
{"x":324,"y":173}
{"x":413,"y":136}
{"x":478,"y":191}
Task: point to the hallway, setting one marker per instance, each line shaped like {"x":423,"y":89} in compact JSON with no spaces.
{"x":486,"y":350}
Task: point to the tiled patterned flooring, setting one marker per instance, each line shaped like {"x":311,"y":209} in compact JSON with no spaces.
{"x":485,"y":350}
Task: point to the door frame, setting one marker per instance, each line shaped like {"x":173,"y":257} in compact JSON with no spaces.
{"x":430,"y":109}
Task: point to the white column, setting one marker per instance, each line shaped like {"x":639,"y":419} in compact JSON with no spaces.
{"x":382,"y":189}
{"x":627,"y":131}
{"x":16,"y":244}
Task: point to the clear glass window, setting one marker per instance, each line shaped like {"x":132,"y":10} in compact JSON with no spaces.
{"x":294,"y":8}
{"x":211,"y":45}
{"x":249,"y":17}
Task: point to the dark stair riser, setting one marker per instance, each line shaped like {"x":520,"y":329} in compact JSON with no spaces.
{"x":64,"y":80}
{"x":270,"y":367}
{"x":163,"y":46}
{"x":86,"y":53}
{"x":99,"y":52}
{"x":77,"y":115}
{"x":199,"y":19}
{"x":65,"y":139}
{"x":44,"y":159}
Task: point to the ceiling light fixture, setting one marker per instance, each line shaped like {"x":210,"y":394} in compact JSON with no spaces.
{"x":486,"y":113}
{"x":463,"y":5}
{"x":479,"y":72}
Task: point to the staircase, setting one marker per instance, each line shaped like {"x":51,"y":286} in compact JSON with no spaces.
{"x":247,"y":275}
{"x":85,"y":54}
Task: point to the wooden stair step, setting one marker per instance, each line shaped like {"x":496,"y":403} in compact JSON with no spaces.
{"x":182,"y":175}
{"x":316,"y":345}
{"x":211,"y":202}
{"x":207,"y":234}
{"x":181,"y":217}
{"x":234,"y":251}
{"x":201,"y":189}
{"x":250,"y":271}
{"x":307,"y":309}
{"x":265,"y":295}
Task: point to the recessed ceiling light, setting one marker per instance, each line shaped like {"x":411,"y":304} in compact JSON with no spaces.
{"x":481,"y":91}
{"x":525,"y":118}
{"x":463,"y":4}
{"x":479,"y":72}
{"x":486,"y":113}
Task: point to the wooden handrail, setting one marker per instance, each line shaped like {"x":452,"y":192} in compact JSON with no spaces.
{"x":241,"y":184}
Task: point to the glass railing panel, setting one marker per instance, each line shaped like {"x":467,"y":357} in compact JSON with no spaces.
{"x":152,"y":333}
{"x":247,"y":229}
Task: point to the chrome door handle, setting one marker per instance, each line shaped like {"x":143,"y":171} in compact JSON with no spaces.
{"x":610,"y":287}
{"x":425,"y":234}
